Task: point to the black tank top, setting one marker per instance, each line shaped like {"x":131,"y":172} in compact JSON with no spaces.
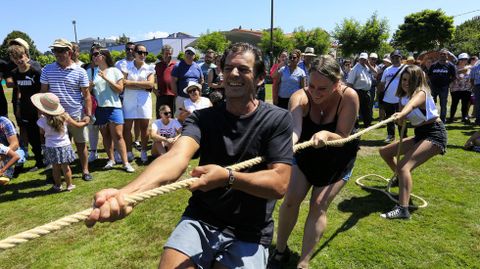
{"x":327,"y":165}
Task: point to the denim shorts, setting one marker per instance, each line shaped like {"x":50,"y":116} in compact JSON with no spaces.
{"x":106,"y":115}
{"x":434,"y":132}
{"x":206,"y":245}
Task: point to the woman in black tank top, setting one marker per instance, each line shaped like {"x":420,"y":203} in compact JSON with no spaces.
{"x":326,"y":110}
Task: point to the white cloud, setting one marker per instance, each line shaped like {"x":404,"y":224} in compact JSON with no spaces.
{"x":156,"y":34}
{"x":113,"y":37}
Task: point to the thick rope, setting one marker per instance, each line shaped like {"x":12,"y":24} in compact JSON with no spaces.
{"x":36,"y":232}
{"x":387,"y":191}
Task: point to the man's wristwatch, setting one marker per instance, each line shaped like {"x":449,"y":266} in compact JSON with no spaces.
{"x":231,"y":178}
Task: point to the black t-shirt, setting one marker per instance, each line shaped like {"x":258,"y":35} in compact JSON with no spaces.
{"x":227,"y":139}
{"x":28,"y":84}
{"x":441,"y":75}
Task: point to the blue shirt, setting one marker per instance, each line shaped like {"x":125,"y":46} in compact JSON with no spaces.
{"x":185,"y":73}
{"x":475,"y":74}
{"x":66,"y":83}
{"x":290,"y":82}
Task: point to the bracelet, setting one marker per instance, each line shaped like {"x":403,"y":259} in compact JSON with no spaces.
{"x":231,"y":178}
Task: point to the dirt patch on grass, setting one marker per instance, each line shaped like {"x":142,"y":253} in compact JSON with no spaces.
{"x":368,"y":151}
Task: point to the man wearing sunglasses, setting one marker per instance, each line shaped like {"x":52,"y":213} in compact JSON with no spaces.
{"x":70,"y":83}
{"x":123,"y":64}
{"x":228,"y":221}
{"x":184,"y":71}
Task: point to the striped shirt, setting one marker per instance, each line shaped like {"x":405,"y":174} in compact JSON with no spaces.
{"x":66,"y":83}
{"x":475,"y":74}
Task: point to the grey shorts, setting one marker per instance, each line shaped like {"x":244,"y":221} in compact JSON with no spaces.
{"x":206,"y":245}
{"x":80,"y":135}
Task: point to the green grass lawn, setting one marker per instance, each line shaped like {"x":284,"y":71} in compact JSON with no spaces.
{"x":446,"y":234}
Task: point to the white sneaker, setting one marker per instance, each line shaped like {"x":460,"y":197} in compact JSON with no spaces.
{"x":128,"y":168}
{"x":389,"y":138}
{"x":109,"y":164}
{"x":143,"y":156}
{"x":130,"y":156}
{"x":118,"y":158}
{"x":92,"y":156}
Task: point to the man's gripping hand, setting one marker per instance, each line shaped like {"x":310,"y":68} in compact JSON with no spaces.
{"x":108,"y":206}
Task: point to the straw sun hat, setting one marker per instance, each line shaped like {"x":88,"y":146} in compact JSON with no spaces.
{"x":47,"y":103}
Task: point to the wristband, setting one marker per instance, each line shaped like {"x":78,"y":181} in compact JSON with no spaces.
{"x":231,"y":178}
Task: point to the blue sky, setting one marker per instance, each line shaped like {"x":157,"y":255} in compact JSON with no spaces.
{"x":44,"y":21}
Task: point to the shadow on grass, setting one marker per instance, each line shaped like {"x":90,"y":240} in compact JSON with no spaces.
{"x":18,"y":190}
{"x":361,"y":207}
{"x":372,"y":143}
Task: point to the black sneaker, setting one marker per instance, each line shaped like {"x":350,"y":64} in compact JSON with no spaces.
{"x":87,"y":177}
{"x":393,"y":181}
{"x":277,"y":259}
{"x":398,"y":212}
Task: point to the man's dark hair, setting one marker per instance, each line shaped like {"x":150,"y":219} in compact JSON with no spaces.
{"x":129,"y":44}
{"x":240,"y":47}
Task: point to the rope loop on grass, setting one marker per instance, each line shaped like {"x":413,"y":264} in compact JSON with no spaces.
{"x":387,"y":191}
{"x":45,"y":229}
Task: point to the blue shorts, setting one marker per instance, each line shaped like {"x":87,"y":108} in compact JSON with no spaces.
{"x":206,"y":245}
{"x":104,"y":115}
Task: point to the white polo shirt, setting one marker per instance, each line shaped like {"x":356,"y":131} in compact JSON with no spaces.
{"x":360,"y":77}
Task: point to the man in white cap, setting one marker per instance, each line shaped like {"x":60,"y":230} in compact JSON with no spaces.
{"x":305,"y":64}
{"x":360,"y":79}
{"x":184,"y":71}
{"x":70,"y":83}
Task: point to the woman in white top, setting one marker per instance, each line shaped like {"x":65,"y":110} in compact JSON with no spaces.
{"x":194,"y":102}
{"x":430,"y":135}
{"x":137,"y":100}
{"x":164,"y":131}
{"x":107,"y":86}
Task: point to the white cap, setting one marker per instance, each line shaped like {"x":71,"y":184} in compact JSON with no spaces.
{"x":463,"y":56}
{"x":363,"y":55}
{"x":191,"y":49}
{"x":192,"y":84}
{"x":373,"y":55}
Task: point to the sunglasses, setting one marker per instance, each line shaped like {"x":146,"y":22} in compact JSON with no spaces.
{"x":291,"y":58}
{"x":189,"y":53}
{"x":59,"y":50}
{"x":142,"y":52}
{"x":129,"y":49}
{"x":192,"y":91}
{"x":167,"y":113}
{"x":95,"y":54}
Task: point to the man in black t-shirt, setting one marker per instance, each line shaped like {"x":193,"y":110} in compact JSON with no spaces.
{"x":441,"y":74}
{"x":26,"y":78}
{"x":228,"y":221}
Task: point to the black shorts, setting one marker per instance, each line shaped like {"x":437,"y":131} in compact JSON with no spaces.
{"x":434,"y":132}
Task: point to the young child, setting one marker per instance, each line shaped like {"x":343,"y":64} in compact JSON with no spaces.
{"x":58,"y":148}
{"x":7,"y":160}
{"x":164,"y":131}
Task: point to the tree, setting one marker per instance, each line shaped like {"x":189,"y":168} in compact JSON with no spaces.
{"x":348,"y":35}
{"x":45,"y":59}
{"x":117,"y":55}
{"x":355,"y":38}
{"x":316,"y":38}
{"x":34,"y":53}
{"x":84,"y":57}
{"x":424,"y":30}
{"x":215,"y":41}
{"x":122,"y":40}
{"x":373,"y":34}
{"x":280,"y":42}
{"x":467,"y":37}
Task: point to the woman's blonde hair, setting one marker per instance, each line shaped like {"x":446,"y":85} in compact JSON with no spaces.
{"x":57,"y":122}
{"x":327,"y":66}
